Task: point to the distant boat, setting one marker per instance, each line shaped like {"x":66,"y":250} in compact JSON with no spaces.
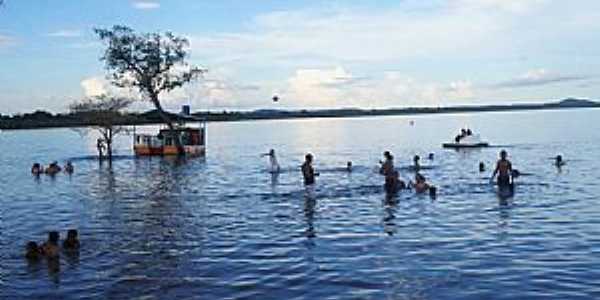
{"x":193,"y":139}
{"x":163,"y":143}
{"x":471,"y":141}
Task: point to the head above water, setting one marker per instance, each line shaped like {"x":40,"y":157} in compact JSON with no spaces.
{"x":32,"y":246}
{"x":503,"y":154}
{"x":387,"y":155}
{"x":416,"y":158}
{"x":72,"y":234}
{"x":559,"y":158}
{"x":53,"y":237}
{"x":308,"y":157}
{"x":272,"y":152}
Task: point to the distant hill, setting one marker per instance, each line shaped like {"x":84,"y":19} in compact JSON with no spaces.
{"x":574,"y":102}
{"x":42,"y":119}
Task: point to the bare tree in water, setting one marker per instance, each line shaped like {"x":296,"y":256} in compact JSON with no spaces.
{"x":152,"y":63}
{"x":103,"y":114}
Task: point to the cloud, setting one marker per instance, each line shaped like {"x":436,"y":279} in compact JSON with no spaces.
{"x":94,"y":86}
{"x":67,"y":33}
{"x":410,"y":30}
{"x":338,"y":87}
{"x":98,"y":85}
{"x":145,"y":5}
{"x":539,"y":77}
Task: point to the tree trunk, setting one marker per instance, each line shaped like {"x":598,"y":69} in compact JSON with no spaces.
{"x":109,"y":144}
{"x":163,"y":115}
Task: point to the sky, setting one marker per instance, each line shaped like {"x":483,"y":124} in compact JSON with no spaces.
{"x":312,"y":54}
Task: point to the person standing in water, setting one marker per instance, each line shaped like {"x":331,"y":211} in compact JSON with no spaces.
{"x":416,"y":165}
{"x":388,"y":171}
{"x":503,"y":170}
{"x":100,"y":147}
{"x":274,"y":165}
{"x":387,"y":166}
{"x":307,"y":170}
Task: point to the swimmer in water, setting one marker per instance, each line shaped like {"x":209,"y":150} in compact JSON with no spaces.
{"x":72,"y":242}
{"x":37,"y":169}
{"x":308,"y":172}
{"x":393,"y":184}
{"x":503,"y":170}
{"x":416,"y":165}
{"x":349,"y":167}
{"x":69,"y":168}
{"x":431,"y":156}
{"x":53,"y":168}
{"x":559,"y":162}
{"x":420,"y":185}
{"x":387,"y":168}
{"x":274,"y":165}
{"x":481,"y":167}
{"x":50,"y":247}
{"x":32,"y":251}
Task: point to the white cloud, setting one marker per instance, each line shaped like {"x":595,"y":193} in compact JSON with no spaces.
{"x":462,"y":28}
{"x":66,"y":33}
{"x":94,"y":86}
{"x":98,"y":85}
{"x":539,"y":77}
{"x":337,"y":87}
{"x":145,"y":5}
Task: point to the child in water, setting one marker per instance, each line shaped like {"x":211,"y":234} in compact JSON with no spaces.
{"x":72,"y":242}
{"x":32,"y":251}
{"x":37,"y":169}
{"x":53,"y":168}
{"x":420,"y":185}
{"x":559,"y":161}
{"x":69,"y":168}
{"x":50,"y":247}
{"x":416,"y":165}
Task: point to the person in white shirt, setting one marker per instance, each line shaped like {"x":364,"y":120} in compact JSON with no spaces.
{"x":274,"y":165}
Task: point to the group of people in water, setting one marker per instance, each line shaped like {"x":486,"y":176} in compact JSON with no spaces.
{"x":503,"y":173}
{"x":463,"y":134}
{"x":50,"y":249}
{"x":392,"y":183}
{"x":52,"y":169}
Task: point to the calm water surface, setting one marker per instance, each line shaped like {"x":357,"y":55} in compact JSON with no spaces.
{"x":223,"y":228}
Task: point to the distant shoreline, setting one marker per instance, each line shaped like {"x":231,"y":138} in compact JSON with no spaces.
{"x":41,"y":119}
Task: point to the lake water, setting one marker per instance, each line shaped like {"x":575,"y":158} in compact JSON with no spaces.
{"x":223,"y":228}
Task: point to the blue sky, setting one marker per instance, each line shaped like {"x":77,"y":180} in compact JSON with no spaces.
{"x":313,"y":54}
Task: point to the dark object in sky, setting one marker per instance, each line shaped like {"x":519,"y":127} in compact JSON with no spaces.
{"x":275,"y":98}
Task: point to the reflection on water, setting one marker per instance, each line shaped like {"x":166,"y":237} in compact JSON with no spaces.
{"x":222,"y":227}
